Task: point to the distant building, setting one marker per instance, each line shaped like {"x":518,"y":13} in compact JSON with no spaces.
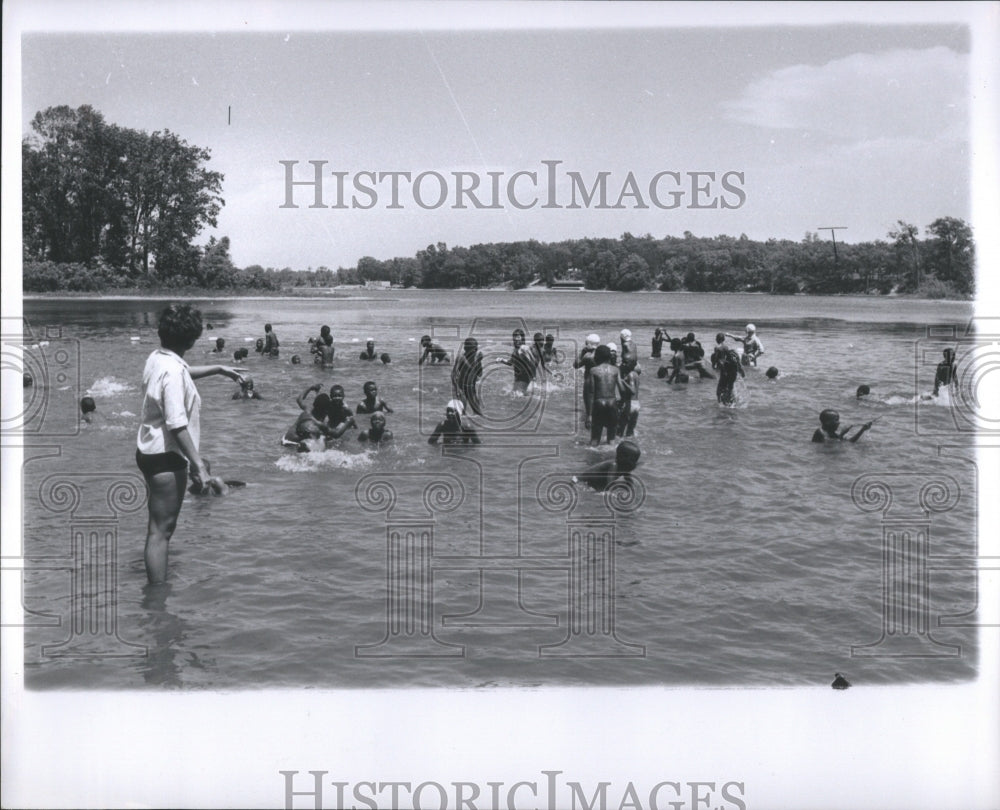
{"x":567,"y":285}
{"x":378,"y":285}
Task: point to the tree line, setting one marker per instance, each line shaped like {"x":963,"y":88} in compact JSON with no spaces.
{"x":107,"y":207}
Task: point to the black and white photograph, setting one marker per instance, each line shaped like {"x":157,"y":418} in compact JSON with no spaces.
{"x":501,"y":405}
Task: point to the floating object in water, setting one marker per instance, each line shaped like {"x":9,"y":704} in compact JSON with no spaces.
{"x":384,"y":357}
{"x":772,"y":372}
{"x":28,"y":380}
{"x":840,"y":682}
{"x":134,"y":338}
{"x":296,"y":359}
{"x":863,"y":391}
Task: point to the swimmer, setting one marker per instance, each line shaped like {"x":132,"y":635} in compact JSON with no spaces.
{"x":628,"y":354}
{"x":338,"y":413}
{"x":586,"y":362}
{"x":720,"y":349}
{"x":246,"y":390}
{"x":658,"y":337}
{"x":270,"y":341}
{"x":729,"y":368}
{"x":549,"y":349}
{"x":433,"y":350}
{"x":88,"y":409}
{"x":538,"y":352}
{"x":28,"y":380}
{"x":369,"y":352}
{"x":220,"y":346}
{"x":607,"y":393}
{"x":772,"y":373}
{"x":523,"y":362}
{"x":377,"y":433}
{"x":829,"y":421}
{"x":628,"y":408}
{"x":384,"y":357}
{"x":316,"y":344}
{"x":325,"y":351}
{"x":946,"y":374}
{"x":863,"y":391}
{"x":213,"y":485}
{"x":451,"y":429}
{"x":752,"y":347}
{"x":677,"y":374}
{"x":371,"y":402}
{"x":694,"y":356}
{"x":600,"y":476}
{"x":259,"y":346}
{"x":466,"y":373}
{"x":296,"y":359}
{"x":310,"y":424}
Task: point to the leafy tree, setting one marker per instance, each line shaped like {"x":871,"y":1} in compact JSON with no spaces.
{"x":96,"y":190}
{"x":951,"y":254}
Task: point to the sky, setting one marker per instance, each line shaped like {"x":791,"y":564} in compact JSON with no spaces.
{"x":853,"y":125}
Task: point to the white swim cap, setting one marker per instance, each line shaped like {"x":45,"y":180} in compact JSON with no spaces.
{"x":369,"y":340}
{"x":593,"y":338}
{"x":613,"y":347}
{"x":456,"y":405}
{"x":751,"y":327}
{"x":626,"y":333}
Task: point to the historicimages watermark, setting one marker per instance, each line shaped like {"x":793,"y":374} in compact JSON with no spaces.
{"x":548,"y":790}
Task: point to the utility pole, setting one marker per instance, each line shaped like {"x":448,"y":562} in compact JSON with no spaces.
{"x":833,"y":235}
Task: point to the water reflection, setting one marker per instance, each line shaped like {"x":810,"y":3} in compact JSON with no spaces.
{"x":165,"y":631}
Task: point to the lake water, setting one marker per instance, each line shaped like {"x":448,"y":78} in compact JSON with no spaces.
{"x":743,"y":554}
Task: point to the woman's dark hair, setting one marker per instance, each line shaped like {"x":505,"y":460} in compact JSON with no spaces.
{"x":87,"y":405}
{"x":180,"y":326}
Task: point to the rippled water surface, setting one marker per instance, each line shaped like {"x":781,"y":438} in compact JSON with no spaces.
{"x":739,"y":556}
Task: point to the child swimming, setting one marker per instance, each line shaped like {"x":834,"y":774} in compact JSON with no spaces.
{"x":451,"y":429}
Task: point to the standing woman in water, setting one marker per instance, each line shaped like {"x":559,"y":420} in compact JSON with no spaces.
{"x":170,"y":429}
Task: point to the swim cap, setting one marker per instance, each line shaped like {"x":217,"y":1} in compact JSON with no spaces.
{"x":626,"y":333}
{"x":772,"y":372}
{"x":369,"y":340}
{"x":593,"y":339}
{"x":385,"y":358}
{"x":863,"y":391}
{"x":87,"y":405}
{"x":751,"y":327}
{"x":613,"y":347}
{"x":456,"y":405}
{"x":829,"y":415}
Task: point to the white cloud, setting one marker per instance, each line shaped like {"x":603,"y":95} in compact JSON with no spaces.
{"x":919,"y":94}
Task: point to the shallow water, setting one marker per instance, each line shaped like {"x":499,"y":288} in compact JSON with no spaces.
{"x":741,"y":558}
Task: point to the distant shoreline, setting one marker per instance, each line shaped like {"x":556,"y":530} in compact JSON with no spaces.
{"x":388,"y":296}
